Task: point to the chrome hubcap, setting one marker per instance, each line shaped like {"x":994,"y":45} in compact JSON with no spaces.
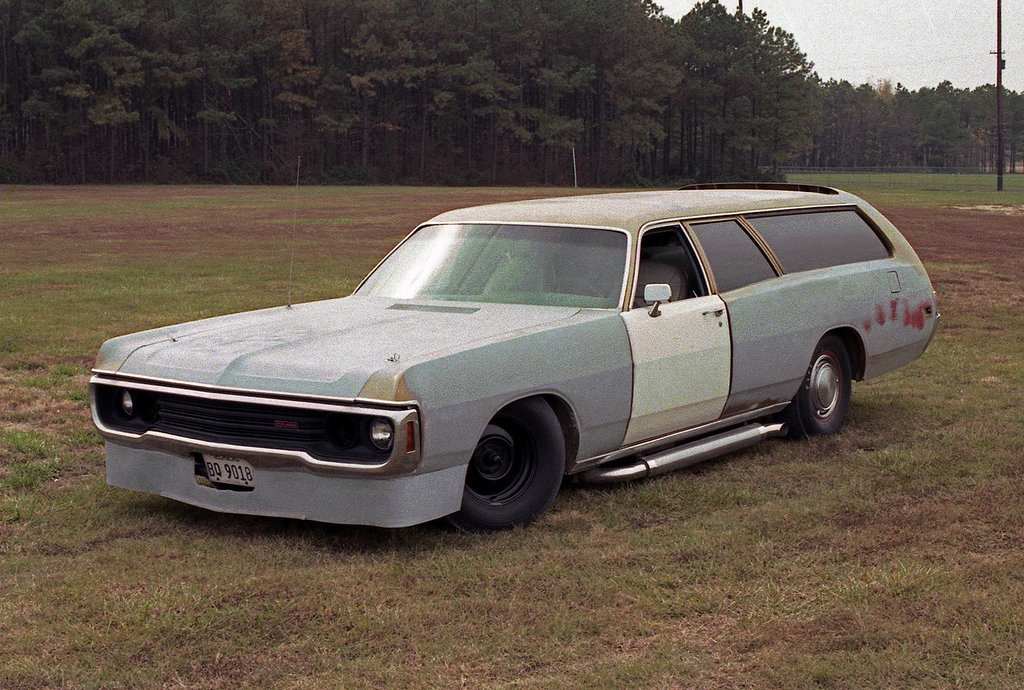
{"x":824,"y":385}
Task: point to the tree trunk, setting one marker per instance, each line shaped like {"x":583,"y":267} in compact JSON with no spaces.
{"x":423,"y":137}
{"x":469,"y":135}
{"x":365,"y":148}
{"x":599,"y":131}
{"x":666,"y":148}
{"x":494,"y":149}
{"x":684,"y":138}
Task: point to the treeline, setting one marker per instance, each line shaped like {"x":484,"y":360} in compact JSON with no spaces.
{"x":886,"y":125}
{"x":441,"y":92}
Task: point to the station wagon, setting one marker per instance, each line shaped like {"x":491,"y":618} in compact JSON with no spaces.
{"x":500,"y":349}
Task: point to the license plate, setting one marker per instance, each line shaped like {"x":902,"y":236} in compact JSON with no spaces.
{"x":221,"y":470}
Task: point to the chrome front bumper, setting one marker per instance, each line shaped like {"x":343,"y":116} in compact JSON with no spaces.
{"x":285,"y":492}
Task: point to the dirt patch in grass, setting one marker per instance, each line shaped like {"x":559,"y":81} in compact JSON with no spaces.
{"x":961,"y":236}
{"x":1008,"y":210}
{"x":976,"y":259}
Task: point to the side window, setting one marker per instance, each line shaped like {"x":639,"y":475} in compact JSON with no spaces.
{"x":735,"y":258}
{"x":805,"y":241}
{"x":665,"y":257}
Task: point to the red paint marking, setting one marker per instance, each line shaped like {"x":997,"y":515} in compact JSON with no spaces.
{"x":908,"y":318}
{"x":892,"y":309}
{"x":867,"y":325}
{"x":915,"y":318}
{"x":879,"y":315}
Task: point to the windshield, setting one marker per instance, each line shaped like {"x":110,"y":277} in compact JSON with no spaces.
{"x":509,"y":264}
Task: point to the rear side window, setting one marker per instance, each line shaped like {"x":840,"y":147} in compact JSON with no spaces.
{"x":805,"y":241}
{"x":735,"y":258}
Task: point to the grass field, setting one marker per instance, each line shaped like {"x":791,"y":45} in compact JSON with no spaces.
{"x":888,"y":555}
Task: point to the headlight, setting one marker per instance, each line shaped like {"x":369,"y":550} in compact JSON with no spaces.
{"x":127,"y":403}
{"x":341,"y":430}
{"x":382,"y":434}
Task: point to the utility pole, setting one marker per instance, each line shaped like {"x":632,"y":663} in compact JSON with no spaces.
{"x":741,"y":6}
{"x":1000,"y":66}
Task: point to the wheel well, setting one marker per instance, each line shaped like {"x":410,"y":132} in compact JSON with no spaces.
{"x":566,"y":419}
{"x":855,"y":347}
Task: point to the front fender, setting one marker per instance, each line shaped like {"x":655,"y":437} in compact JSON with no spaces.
{"x":585,"y":361}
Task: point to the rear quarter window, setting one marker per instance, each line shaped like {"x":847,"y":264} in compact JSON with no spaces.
{"x":806,"y":241}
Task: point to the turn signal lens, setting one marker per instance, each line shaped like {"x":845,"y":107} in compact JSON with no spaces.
{"x":382,"y":434}
{"x":410,"y":437}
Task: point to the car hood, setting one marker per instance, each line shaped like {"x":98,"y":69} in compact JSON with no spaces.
{"x":319,"y":348}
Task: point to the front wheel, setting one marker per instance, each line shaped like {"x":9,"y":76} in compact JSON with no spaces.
{"x":516,"y":469}
{"x":820,"y":405}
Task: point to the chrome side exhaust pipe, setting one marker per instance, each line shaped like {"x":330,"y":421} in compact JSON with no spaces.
{"x":685,"y":455}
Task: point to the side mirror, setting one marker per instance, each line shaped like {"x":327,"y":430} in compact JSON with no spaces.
{"x":657,"y":293}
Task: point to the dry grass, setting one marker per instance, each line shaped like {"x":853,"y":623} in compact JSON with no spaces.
{"x":886,"y":556}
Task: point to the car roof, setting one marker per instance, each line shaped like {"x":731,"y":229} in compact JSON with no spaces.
{"x":630,"y":211}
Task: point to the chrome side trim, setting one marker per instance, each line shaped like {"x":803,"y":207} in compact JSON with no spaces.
{"x":674,"y":438}
{"x":689,"y":454}
{"x":399,"y":462}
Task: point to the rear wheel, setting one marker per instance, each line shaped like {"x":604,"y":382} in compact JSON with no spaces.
{"x":820,"y":405}
{"x":516,"y":469}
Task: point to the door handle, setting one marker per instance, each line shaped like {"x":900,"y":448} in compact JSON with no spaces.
{"x":715,"y":312}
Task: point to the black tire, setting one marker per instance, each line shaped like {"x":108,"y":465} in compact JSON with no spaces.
{"x":820,"y":406}
{"x":516,"y":469}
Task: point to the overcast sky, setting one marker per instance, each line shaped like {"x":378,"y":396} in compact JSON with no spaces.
{"x":914,"y":42}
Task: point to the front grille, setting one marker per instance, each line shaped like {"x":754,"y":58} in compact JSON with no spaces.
{"x":240,"y":423}
{"x":320,"y":433}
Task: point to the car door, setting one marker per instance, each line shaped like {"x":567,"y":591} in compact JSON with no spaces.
{"x":681,"y":357}
{"x":769,"y":333}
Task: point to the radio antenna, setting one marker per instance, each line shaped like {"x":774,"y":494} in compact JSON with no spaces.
{"x":295,"y":221}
